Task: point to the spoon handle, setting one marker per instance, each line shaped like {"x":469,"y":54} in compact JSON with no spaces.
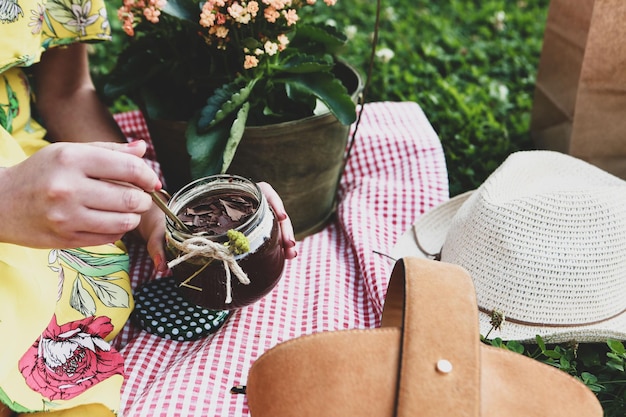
{"x":169,"y":213}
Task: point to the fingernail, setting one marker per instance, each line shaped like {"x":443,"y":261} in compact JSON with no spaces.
{"x":158,"y":261}
{"x":135,"y":143}
{"x":292,"y":243}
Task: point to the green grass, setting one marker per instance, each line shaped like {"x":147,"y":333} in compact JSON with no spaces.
{"x":472,"y":74}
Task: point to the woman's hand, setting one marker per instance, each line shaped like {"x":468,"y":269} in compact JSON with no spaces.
{"x":274,"y":200}
{"x":70,"y":195}
{"x":152,"y":230}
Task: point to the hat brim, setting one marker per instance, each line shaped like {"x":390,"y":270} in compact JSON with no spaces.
{"x":427,"y":235}
{"x":425,"y":238}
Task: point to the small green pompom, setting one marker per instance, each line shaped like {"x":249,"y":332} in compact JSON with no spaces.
{"x":237,"y":242}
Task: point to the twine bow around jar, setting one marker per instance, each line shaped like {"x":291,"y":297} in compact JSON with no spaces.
{"x":199,"y":246}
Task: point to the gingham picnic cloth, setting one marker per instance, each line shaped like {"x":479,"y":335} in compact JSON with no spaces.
{"x":396,"y":171}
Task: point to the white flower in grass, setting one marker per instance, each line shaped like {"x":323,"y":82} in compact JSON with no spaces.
{"x":350,"y":31}
{"x":498,"y":20}
{"x":390,"y":14}
{"x":385,"y":55}
{"x":499,"y":91}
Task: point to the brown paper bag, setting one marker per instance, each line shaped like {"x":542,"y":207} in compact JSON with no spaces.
{"x":580,"y":98}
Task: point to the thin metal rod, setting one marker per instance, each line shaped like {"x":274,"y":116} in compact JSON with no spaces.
{"x":169,"y":213}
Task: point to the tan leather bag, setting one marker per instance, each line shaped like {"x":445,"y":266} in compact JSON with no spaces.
{"x":426,"y":360}
{"x":580,"y":92}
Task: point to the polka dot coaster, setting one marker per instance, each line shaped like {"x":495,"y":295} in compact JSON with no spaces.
{"x":161,"y":310}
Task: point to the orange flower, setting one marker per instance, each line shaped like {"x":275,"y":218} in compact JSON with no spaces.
{"x":250,"y":62}
{"x":291,"y":16}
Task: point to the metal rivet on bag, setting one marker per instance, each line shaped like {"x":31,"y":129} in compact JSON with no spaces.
{"x":444,"y":366}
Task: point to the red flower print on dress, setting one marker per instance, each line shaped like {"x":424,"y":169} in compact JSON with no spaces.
{"x":67,"y":360}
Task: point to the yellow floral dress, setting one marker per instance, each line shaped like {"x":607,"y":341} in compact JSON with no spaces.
{"x":58,"y":308}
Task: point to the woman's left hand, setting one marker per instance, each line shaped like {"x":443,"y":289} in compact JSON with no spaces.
{"x":152,"y":229}
{"x":274,"y":200}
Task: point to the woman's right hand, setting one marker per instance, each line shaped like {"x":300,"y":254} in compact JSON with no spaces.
{"x":70,"y":195}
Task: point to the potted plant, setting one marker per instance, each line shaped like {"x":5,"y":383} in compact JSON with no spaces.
{"x":215,"y":68}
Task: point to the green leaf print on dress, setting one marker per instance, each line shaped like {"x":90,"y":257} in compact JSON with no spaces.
{"x":8,"y":112}
{"x":74,"y":15}
{"x":14,"y":406}
{"x":95,"y":271}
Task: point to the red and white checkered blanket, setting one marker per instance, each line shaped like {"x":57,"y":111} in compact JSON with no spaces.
{"x":395,"y":172}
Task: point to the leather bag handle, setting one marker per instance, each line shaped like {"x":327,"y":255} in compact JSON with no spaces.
{"x":436,"y":311}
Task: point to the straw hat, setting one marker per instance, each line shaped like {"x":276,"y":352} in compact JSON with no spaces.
{"x":544,"y":239}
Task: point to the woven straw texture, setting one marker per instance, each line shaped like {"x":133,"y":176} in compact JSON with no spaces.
{"x":544,"y":239}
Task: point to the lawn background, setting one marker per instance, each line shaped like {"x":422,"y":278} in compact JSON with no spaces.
{"x":471,"y":65}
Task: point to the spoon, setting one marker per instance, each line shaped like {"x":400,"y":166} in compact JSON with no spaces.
{"x":169,"y":213}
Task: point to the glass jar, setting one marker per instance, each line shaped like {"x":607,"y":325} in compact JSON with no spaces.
{"x":204,"y":277}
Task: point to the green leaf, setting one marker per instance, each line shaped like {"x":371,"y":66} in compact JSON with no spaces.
{"x":329,"y":90}
{"x":212,"y":151}
{"x":588,"y":378}
{"x":618,"y":366}
{"x":95,"y":265}
{"x":226,"y":99}
{"x":616,"y":346}
{"x":64,"y":12}
{"x":236,"y":133}
{"x":591,"y":381}
{"x":552,"y":354}
{"x":81,"y":300}
{"x":497,"y":342}
{"x":540,"y":343}
{"x":515,"y":346}
{"x":3,"y":121}
{"x":4,"y":398}
{"x":13,"y":107}
{"x":305,"y":63}
{"x":109,"y":293}
{"x":49,"y":24}
{"x":318,"y":37}
{"x":183,"y":9}
{"x":206,"y":149}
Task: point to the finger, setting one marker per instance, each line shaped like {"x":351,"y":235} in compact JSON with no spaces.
{"x":137,"y":147}
{"x":115,"y":197}
{"x":286,"y":227}
{"x":156,"y":250}
{"x":273,"y":200}
{"x":119,"y":166}
{"x":152,"y":230}
{"x":93,"y":222}
{"x":289,"y":242}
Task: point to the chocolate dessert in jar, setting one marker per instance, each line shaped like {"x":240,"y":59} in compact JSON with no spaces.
{"x":231,"y":256}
